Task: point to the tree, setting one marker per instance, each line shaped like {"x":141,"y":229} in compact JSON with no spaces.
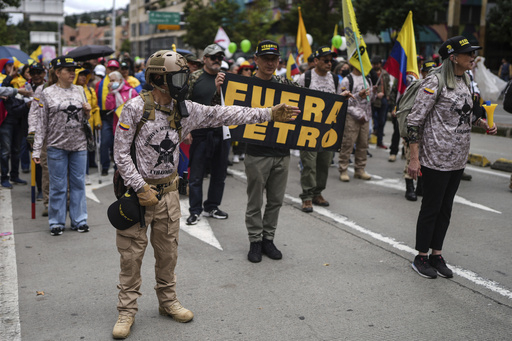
{"x":202,"y":21}
{"x":320,"y":18}
{"x":377,"y":16}
{"x":7,"y":3}
{"x":499,"y":21}
{"x":126,"y":46}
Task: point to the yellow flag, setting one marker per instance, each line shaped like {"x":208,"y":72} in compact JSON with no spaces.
{"x":354,"y":40}
{"x":333,"y":48}
{"x":302,"y":40}
{"x":37,"y":55}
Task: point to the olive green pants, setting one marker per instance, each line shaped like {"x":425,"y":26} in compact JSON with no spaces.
{"x":315,"y":171}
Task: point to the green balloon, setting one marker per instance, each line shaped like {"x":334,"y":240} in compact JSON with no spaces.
{"x":337,"y":41}
{"x":246,"y":45}
{"x":232,"y":47}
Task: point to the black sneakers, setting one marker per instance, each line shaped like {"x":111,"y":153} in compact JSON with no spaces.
{"x":193,"y":219}
{"x":438,"y":263}
{"x":254,"y":255}
{"x":83,"y":228}
{"x":217,"y":214}
{"x":269,"y":249}
{"x":422,"y":266}
{"x":56,"y":231}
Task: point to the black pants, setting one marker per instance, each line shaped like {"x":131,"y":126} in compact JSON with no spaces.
{"x":439,"y":190}
{"x":395,"y":139}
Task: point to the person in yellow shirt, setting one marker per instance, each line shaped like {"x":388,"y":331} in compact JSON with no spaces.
{"x":82,"y":77}
{"x":132,"y":81}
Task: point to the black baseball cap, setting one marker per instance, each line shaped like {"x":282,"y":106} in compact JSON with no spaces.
{"x":64,"y":61}
{"x":428,"y":65}
{"x":458,"y":44}
{"x":35,"y":67}
{"x":125,"y":212}
{"x":124,"y":65}
{"x":268,"y":47}
{"x":324,"y":51}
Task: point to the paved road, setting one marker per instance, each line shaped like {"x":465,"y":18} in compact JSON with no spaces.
{"x":345,"y":274}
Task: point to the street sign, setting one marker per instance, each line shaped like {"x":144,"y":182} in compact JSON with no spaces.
{"x":164,"y":18}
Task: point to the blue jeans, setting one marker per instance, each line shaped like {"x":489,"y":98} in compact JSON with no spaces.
{"x":59,"y":162}
{"x":379,"y":119}
{"x":213,"y":153}
{"x":107,"y":140}
{"x":10,"y":141}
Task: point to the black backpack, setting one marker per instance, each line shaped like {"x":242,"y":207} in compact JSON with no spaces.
{"x":507,"y":98}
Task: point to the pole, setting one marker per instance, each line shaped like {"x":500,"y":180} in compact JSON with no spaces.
{"x":361,"y":64}
{"x":114,"y":26}
{"x":33,"y":186}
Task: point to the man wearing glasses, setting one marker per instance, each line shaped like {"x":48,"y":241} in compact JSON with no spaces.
{"x":209,"y":149}
{"x":316,"y":164}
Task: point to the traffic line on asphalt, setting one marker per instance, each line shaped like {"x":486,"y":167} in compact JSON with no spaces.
{"x":488,"y":172}
{"x":9,"y":301}
{"x":464,"y":273}
{"x":202,"y":230}
{"x":98,"y":181}
{"x":399,"y":185}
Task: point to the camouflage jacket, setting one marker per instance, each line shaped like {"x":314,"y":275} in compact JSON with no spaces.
{"x":61,"y":119}
{"x":191,"y":83}
{"x":359,"y":107}
{"x":157,"y":144}
{"x":442,"y":128}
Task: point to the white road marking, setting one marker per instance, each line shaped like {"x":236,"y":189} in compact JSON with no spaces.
{"x":393,"y":183}
{"x":399,"y":185}
{"x":202,"y":230}
{"x":488,"y":171}
{"x":9,"y":306}
{"x":95,"y":179}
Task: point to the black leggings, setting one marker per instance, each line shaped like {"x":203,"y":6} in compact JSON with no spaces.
{"x":439,"y":188}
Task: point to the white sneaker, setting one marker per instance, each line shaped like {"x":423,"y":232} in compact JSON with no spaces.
{"x":236,"y":159}
{"x":88,"y":180}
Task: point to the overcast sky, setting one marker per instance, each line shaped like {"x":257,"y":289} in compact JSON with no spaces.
{"x":80,"y":6}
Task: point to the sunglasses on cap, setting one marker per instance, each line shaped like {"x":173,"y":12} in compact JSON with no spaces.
{"x":217,"y":57}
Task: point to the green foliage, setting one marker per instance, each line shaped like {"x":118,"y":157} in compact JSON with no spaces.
{"x":126,"y":46}
{"x":499,"y":21}
{"x":320,"y":18}
{"x":7,"y":3}
{"x":377,"y":16}
{"x":203,"y":21}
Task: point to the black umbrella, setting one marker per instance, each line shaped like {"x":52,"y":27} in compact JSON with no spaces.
{"x":87,"y":52}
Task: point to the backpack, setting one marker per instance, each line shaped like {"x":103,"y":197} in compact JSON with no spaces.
{"x":507,"y":98}
{"x":351,"y":81}
{"x":307,"y":80}
{"x":148,"y":114}
{"x":406,"y":102}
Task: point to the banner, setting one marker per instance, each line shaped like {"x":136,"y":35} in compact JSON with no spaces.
{"x":319,"y":126}
{"x":402,"y":60}
{"x":351,"y":29}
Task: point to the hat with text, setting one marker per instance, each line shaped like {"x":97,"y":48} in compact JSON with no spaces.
{"x":325,"y":51}
{"x":428,"y":65}
{"x":212,"y":49}
{"x":267,"y":47}
{"x":61,"y":62}
{"x":113,"y":63}
{"x":125,"y":212}
{"x":458,"y":44}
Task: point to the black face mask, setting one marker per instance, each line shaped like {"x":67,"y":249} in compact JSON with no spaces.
{"x":345,"y":73}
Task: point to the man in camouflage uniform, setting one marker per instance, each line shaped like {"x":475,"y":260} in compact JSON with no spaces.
{"x":209,"y":149}
{"x":154,"y":179}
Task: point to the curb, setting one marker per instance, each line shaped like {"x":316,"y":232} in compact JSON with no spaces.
{"x":478,"y":160}
{"x":503,"y":165}
{"x":505,"y":131}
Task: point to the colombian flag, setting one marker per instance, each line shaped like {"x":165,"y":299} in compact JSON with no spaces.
{"x":291,"y":67}
{"x":402,"y":61}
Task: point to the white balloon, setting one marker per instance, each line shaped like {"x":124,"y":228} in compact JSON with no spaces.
{"x":310,"y":39}
{"x":240,"y":60}
{"x":343,"y":46}
{"x":227,"y":53}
